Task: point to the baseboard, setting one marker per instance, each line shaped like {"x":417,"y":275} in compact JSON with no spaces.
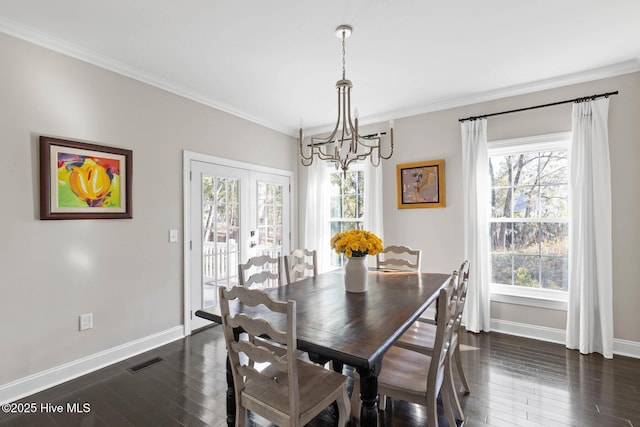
{"x":51,"y":377}
{"x":620,"y":347}
{"x":626,"y":348}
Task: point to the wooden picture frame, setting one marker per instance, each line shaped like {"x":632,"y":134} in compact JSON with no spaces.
{"x":84,"y":181}
{"x":421,"y":184}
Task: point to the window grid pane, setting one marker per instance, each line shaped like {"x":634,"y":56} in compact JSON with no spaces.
{"x":346,"y":205}
{"x":528,"y":225}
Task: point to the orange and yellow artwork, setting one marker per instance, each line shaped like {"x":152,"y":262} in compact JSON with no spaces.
{"x":88,"y":181}
{"x":421,"y":184}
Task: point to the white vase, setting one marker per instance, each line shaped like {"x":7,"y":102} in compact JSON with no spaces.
{"x":356,"y":274}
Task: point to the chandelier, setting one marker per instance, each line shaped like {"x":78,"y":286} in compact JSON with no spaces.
{"x":345,"y":145}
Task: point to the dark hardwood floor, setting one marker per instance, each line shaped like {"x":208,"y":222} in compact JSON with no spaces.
{"x":514,"y":381}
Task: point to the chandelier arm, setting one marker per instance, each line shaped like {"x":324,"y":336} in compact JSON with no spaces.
{"x":304,"y":159}
{"x":391,"y":144}
{"x":330,"y":138}
{"x":324,"y":156}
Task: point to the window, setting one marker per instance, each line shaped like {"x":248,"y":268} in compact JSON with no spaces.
{"x":346,"y":204}
{"x":528,"y":225}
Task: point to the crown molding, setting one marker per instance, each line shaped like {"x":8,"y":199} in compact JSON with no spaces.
{"x":72,"y":50}
{"x":613,"y":70}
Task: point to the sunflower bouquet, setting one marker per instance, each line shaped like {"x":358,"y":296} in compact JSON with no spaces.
{"x":356,"y":243}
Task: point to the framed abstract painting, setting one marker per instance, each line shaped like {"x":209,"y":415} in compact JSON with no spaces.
{"x":421,"y":184}
{"x":84,"y":181}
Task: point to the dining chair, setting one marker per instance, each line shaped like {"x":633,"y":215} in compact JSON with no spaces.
{"x":260,"y":271}
{"x":421,"y":337}
{"x":299,"y":264}
{"x":395,"y":257}
{"x":280,"y":387}
{"x":414,"y":376}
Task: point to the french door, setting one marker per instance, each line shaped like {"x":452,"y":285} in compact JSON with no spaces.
{"x":235,"y":212}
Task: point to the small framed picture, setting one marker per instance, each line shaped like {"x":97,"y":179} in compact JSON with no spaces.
{"x":421,"y":184}
{"x":84,"y":181}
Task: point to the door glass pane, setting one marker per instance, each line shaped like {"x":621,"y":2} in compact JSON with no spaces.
{"x":221,"y":226}
{"x":269,"y":218}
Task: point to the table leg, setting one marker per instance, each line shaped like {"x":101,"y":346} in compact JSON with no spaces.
{"x":369,"y":397}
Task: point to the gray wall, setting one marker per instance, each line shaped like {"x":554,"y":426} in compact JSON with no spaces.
{"x":439,"y":232}
{"x":123,"y":271}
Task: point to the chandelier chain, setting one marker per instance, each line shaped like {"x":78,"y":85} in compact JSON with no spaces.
{"x":343,"y":55}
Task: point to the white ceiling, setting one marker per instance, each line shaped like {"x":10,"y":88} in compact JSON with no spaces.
{"x":274,"y":62}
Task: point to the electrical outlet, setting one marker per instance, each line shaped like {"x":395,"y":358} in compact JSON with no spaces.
{"x":86,"y":321}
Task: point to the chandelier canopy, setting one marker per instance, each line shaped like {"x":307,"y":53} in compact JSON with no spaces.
{"x":344,"y":145}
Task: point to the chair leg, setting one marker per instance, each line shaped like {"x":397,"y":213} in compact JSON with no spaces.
{"x":449,"y":381}
{"x":382,"y":404}
{"x":344,"y":408}
{"x":445,"y":393}
{"x":355,"y":398}
{"x":432,"y":408}
{"x":463,"y":378}
{"x":241,"y":414}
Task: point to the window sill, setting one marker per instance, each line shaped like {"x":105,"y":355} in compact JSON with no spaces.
{"x":531,"y":299}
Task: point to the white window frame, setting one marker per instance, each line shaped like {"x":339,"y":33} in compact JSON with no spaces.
{"x":544,"y":298}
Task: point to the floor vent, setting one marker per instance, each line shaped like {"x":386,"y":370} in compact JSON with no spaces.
{"x":141,"y":366}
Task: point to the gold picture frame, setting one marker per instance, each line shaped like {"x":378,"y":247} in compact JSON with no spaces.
{"x":421,"y":184}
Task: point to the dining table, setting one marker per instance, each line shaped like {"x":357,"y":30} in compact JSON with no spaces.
{"x":354,"y":329}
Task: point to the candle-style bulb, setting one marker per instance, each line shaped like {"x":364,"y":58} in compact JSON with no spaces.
{"x":301,"y":123}
{"x":356,"y":113}
{"x":391,"y":124}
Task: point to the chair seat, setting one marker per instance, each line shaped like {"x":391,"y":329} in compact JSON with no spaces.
{"x":317,"y":388}
{"x":404,"y":371}
{"x":421,"y":337}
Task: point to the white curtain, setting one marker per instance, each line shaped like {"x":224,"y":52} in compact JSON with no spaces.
{"x":372,"y":217}
{"x":316,"y":226}
{"x":475,"y":190}
{"x":590,"y":312}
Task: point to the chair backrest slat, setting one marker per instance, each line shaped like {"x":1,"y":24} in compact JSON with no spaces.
{"x":266,"y":272}
{"x":399,"y":258}
{"x":299,"y":264}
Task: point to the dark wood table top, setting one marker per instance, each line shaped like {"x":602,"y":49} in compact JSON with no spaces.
{"x":355,"y":329}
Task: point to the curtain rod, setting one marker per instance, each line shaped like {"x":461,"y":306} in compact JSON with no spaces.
{"x":583,"y":99}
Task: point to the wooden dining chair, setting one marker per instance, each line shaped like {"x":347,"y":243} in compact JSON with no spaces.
{"x":280,"y":387}
{"x":260,"y":272}
{"x":416,"y":377}
{"x":421,"y":337}
{"x":398,"y":258}
{"x":299,"y":264}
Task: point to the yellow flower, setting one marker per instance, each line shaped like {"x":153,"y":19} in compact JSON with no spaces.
{"x":90,"y":181}
{"x":356,"y":243}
